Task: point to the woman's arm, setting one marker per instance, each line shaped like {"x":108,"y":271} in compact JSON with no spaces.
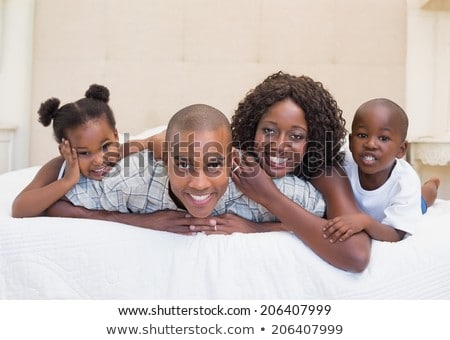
{"x":337,"y":192}
{"x":351,"y":255}
{"x":45,"y":188}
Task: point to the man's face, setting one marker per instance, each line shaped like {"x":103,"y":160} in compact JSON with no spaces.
{"x":198,"y":168}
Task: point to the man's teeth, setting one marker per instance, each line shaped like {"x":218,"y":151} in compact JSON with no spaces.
{"x":199,"y":198}
{"x":278,"y":160}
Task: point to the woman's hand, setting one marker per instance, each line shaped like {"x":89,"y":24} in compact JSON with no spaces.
{"x":252,"y":180}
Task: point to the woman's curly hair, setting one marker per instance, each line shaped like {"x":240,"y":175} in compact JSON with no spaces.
{"x":326,"y":126}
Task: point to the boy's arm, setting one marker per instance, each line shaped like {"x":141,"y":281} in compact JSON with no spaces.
{"x":342,"y":227}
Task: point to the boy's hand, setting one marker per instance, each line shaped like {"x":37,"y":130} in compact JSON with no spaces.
{"x":72,"y":171}
{"x":342,"y":227}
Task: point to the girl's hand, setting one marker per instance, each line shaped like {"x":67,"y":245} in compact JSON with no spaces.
{"x":72,"y":171}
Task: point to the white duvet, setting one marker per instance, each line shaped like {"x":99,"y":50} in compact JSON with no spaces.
{"x":56,"y":258}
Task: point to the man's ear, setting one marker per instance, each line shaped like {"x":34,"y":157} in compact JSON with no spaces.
{"x":403,"y":149}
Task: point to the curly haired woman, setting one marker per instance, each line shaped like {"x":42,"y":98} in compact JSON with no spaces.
{"x":293,"y":126}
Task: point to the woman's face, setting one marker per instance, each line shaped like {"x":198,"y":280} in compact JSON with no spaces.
{"x":281,"y":137}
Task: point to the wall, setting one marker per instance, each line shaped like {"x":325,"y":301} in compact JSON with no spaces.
{"x":16,"y":51}
{"x":157,"y":56}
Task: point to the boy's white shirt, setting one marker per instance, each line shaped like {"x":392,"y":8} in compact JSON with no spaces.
{"x":396,"y":203}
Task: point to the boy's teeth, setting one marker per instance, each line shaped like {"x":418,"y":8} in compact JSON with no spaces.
{"x":199,"y":197}
{"x":369,"y":158}
{"x":278,"y":160}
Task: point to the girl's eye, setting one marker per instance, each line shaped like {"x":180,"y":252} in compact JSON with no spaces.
{"x":361,"y":135}
{"x":105,"y":147}
{"x":83,"y":153}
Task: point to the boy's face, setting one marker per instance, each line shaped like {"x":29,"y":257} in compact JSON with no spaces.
{"x":198,"y":168}
{"x":376,"y":140}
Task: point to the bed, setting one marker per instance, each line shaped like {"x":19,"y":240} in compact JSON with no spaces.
{"x":63,"y":258}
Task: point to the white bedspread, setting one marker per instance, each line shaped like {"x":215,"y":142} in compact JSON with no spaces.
{"x":60,"y":258}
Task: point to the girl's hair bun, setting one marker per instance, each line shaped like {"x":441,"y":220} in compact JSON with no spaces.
{"x":98,"y":92}
{"x":48,"y":110}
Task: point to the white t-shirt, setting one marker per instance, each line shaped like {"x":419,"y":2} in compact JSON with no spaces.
{"x":397,"y":202}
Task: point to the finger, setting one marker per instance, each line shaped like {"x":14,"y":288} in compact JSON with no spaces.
{"x":346,"y":236}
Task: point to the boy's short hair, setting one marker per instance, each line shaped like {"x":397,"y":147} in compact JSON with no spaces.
{"x":393,"y":107}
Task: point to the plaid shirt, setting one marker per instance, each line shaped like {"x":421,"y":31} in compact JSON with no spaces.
{"x":139,"y":184}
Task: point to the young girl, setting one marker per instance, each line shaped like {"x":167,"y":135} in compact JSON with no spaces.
{"x":88,"y":143}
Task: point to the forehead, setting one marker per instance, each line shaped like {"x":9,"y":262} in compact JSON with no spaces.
{"x":377,"y":116}
{"x":197,"y":143}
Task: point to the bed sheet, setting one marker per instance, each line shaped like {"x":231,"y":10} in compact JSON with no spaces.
{"x":63,"y":258}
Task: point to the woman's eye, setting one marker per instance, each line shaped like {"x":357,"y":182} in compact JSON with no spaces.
{"x":298,"y":137}
{"x":268,"y":131}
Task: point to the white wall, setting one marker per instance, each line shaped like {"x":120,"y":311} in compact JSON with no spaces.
{"x":157,"y":56}
{"x":15,"y":73}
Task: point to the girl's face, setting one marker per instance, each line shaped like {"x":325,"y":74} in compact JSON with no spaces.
{"x":92,"y":142}
{"x":281,"y":137}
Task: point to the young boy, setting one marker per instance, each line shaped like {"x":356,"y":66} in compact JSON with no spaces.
{"x":386,"y":187}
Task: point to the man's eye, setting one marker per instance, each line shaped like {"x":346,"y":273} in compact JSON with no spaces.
{"x":183,"y":165}
{"x":212,"y":167}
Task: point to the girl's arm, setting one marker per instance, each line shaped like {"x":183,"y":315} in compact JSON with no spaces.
{"x":153,"y":143}
{"x":351,"y":255}
{"x":45,"y":188}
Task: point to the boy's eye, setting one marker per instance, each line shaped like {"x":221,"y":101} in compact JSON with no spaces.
{"x":384,"y":138}
{"x":83,"y":153}
{"x":361,"y":135}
